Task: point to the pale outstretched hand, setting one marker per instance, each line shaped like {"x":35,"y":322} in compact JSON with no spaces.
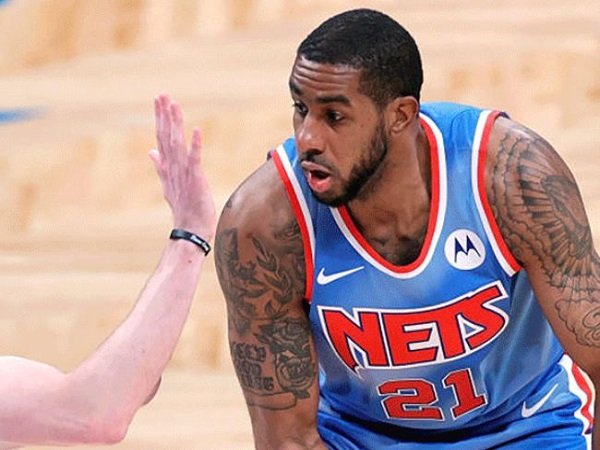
{"x":184,"y":183}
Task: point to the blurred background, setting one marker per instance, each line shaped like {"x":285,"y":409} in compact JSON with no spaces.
{"x":83,"y":220}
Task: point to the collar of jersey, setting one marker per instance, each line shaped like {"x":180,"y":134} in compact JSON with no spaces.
{"x":436,"y":214}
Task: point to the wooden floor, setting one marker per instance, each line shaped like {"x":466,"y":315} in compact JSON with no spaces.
{"x":84,"y":221}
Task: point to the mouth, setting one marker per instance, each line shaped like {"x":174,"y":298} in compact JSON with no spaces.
{"x":318,"y":177}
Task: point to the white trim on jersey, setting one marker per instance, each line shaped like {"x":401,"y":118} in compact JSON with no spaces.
{"x":299,"y":196}
{"x":476,"y":194}
{"x":443,"y":199}
{"x":576,"y":389}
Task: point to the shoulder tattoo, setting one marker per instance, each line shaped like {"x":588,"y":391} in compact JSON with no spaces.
{"x":540,"y":212}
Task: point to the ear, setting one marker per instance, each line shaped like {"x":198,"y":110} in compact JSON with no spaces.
{"x":401,"y":112}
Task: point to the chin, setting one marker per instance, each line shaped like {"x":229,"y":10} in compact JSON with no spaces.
{"x":330,"y":199}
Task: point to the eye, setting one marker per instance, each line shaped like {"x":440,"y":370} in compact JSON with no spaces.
{"x":334,"y":116}
{"x":300,"y":108}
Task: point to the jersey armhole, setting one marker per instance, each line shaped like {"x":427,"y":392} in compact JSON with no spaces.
{"x":301,"y":212}
{"x":480,"y":151}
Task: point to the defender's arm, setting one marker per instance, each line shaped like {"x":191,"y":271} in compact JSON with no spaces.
{"x":260,"y":264}
{"x":540,"y":213}
{"x":95,"y":402}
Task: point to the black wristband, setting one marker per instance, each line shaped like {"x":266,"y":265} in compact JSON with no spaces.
{"x":178,"y":233}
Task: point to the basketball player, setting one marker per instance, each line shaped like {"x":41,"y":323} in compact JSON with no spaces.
{"x":96,"y":401}
{"x":406,"y":275}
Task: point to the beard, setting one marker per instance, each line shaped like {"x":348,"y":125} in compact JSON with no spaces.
{"x":364,"y":174}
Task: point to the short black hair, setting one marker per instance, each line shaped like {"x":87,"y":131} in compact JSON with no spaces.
{"x":374,"y":43}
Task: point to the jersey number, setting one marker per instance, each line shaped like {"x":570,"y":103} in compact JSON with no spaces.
{"x":415,"y":398}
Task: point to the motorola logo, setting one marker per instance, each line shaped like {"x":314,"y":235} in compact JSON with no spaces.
{"x":464,"y":250}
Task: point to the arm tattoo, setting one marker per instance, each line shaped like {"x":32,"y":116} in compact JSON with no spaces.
{"x":247,"y":360}
{"x":290,"y":236}
{"x":288,"y":341}
{"x":279,"y":368}
{"x":239,"y":281}
{"x":243,"y":283}
{"x":540,"y":212}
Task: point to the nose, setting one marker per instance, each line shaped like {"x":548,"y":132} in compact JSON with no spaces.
{"x":309,"y":136}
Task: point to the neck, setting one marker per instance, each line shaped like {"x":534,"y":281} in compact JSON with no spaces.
{"x":401,"y":194}
{"x":394,"y":216}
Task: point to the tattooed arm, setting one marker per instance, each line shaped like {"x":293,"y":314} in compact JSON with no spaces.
{"x":541,"y":216}
{"x":260,"y":264}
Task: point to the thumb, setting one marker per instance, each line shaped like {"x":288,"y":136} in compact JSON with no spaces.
{"x":155,"y":157}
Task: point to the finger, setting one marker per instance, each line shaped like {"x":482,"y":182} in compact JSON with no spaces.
{"x":154,"y":155}
{"x":177,"y":134}
{"x":195,"y":152}
{"x":160,"y":122}
{"x":157,"y":120}
{"x":165,"y":122}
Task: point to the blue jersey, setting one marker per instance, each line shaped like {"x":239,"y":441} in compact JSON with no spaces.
{"x":449,"y":348}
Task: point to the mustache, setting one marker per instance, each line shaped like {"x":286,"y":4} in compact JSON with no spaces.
{"x":322,"y":165}
{"x":314,"y":158}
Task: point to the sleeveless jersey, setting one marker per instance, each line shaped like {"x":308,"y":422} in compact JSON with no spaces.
{"x":453,"y":341}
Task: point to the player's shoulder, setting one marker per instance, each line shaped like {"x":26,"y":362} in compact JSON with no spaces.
{"x":259,"y":201}
{"x":258,"y":233}
{"x":514,"y":147}
{"x":505,"y":126}
{"x":532,"y":194}
{"x":506,"y":131}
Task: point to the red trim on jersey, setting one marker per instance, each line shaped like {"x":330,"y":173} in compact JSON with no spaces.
{"x":586,"y":409}
{"x":297,"y":209}
{"x":433,"y":214}
{"x":483,"y":149}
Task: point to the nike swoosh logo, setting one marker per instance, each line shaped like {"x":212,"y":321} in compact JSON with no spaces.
{"x":530,"y":411}
{"x":323,"y":279}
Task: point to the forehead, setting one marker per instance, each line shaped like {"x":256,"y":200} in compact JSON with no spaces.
{"x":309,"y":78}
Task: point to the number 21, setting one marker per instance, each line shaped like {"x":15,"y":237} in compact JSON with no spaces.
{"x":415,"y":398}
